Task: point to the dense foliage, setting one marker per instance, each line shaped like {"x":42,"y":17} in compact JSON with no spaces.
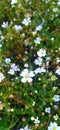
{"x":29,"y":64}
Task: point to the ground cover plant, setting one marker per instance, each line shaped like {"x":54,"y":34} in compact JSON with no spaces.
{"x":29,"y":64}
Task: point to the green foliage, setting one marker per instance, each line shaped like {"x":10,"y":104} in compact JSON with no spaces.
{"x":29,"y":40}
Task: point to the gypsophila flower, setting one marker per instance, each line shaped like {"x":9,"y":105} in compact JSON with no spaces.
{"x":27,"y":76}
{"x":2,"y":37}
{"x":7,"y":60}
{"x":55,"y":107}
{"x":38,"y":61}
{"x":13,"y":2}
{"x":25,"y":128}
{"x":40,"y":70}
{"x":1,"y":77}
{"x":18,"y":27}
{"x":4,"y":25}
{"x":37,"y":40}
{"x":41,"y":53}
{"x":14,"y":67}
{"x":0,"y":45}
{"x":26,"y":65}
{"x":39,"y":27}
{"x":26,"y":21}
{"x":48,"y":110}
{"x":56,"y":98}
{"x":11,"y":71}
{"x":36,"y":120}
{"x":52,"y":126}
{"x":58,"y":71}
{"x":58,"y":2}
{"x":55,"y":117}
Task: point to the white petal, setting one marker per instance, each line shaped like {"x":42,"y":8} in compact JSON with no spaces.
{"x":24,"y":72}
{"x":29,"y":80}
{"x":23,"y":80}
{"x":31,"y":74}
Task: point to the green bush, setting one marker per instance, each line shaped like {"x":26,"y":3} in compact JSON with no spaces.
{"x":29,"y":64}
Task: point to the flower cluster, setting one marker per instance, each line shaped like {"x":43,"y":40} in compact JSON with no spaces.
{"x":30,"y":64}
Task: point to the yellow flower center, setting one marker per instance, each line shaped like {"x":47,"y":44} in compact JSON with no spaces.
{"x":54,"y":128}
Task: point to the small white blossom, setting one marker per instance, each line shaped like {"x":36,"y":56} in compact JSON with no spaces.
{"x":37,"y":40}
{"x":48,"y":110}
{"x":58,"y":71}
{"x":25,"y":128}
{"x":27,"y":76}
{"x":2,"y":37}
{"x":41,"y":52}
{"x":39,"y":27}
{"x":58,"y":2}
{"x":26,"y":21}
{"x":55,"y":107}
{"x":0,"y":45}
{"x":56,"y":98}
{"x":38,"y":61}
{"x":52,"y":38}
{"x":18,"y":27}
{"x":7,"y":60}
{"x":40,"y":70}
{"x":1,"y":77}
{"x":36,"y":120}
{"x":13,"y":2}
{"x":55,"y":9}
{"x":14,"y":67}
{"x":53,"y":126}
{"x":55,"y":117}
{"x":11,"y":71}
{"x":5,"y":24}
{"x":26,"y":65}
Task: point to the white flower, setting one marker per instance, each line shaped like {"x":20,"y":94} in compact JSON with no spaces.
{"x":7,"y":60}
{"x":56,"y":98}
{"x":26,"y":65}
{"x":39,"y":27}
{"x":26,"y":21}
{"x":52,"y":38}
{"x":55,"y":9}
{"x":11,"y":71}
{"x":55,"y":117}
{"x":58,"y":71}
{"x":13,"y":2}
{"x":33,"y":104}
{"x":1,"y":77}
{"x":25,"y":128}
{"x":47,"y":110}
{"x":38,"y":61}
{"x":18,"y":27}
{"x":5,"y":24}
{"x":37,"y":40}
{"x":2,"y":37}
{"x":55,"y":107}
{"x":41,"y":52}
{"x":0,"y":45}
{"x":58,"y":59}
{"x":32,"y":118}
{"x":14,"y":67}
{"x":52,"y":126}
{"x":36,"y":120}
{"x":27,"y":76}
{"x":58,"y":2}
{"x":40,"y":70}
